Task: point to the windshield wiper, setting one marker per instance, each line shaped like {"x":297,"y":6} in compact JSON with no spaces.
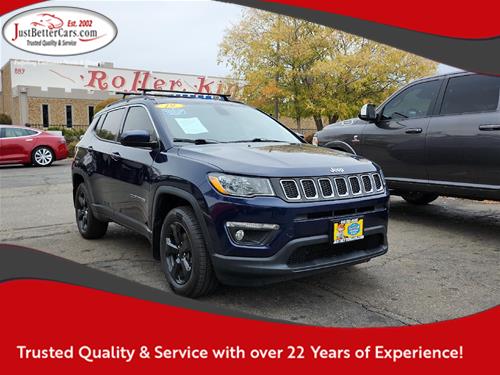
{"x":256,"y":140}
{"x":199,"y":141}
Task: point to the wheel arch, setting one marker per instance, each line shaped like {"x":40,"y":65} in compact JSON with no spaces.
{"x":341,"y":146}
{"x":166,"y":198}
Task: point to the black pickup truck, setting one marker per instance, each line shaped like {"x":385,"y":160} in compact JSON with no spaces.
{"x":435,"y":136}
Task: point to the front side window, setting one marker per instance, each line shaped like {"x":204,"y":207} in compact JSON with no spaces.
{"x":416,"y":101}
{"x":471,"y":93}
{"x":111,"y":125}
{"x":221,"y":122}
{"x":138,"y":119}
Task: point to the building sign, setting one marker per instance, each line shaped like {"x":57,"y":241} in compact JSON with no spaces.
{"x":59,"y":31}
{"x":91,"y":78}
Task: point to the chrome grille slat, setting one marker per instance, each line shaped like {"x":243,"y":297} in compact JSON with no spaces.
{"x":341,"y":185}
{"x":309,"y":188}
{"x":378,"y":182}
{"x":290,"y":189}
{"x":355,"y":185}
{"x":367,"y":183}
{"x":326,"y":187}
{"x":302,"y":189}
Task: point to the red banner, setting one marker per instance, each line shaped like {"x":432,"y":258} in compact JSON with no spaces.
{"x":76,"y":329}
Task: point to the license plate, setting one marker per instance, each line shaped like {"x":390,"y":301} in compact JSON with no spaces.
{"x":348,"y":230}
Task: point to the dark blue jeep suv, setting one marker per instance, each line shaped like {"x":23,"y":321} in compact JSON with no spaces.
{"x":224,"y":192}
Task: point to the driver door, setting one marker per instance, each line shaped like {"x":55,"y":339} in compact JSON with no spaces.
{"x":397,"y":141}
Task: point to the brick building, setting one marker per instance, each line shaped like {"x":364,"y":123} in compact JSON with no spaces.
{"x":44,"y":94}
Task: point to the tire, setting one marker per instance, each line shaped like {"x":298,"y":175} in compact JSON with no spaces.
{"x":42,"y":156}
{"x":419,"y":198}
{"x":184,"y":257}
{"x":88,"y":225}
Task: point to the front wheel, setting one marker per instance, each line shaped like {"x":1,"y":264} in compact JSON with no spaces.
{"x":419,"y":198}
{"x":88,"y":225}
{"x":184,"y":258}
{"x":42,"y":157}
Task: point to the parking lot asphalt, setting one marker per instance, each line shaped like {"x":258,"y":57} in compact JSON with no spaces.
{"x":443,"y":260}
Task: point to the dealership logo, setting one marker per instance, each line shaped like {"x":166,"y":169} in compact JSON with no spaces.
{"x":59,"y":31}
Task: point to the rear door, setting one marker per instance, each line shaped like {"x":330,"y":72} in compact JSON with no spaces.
{"x":397,"y":141}
{"x":463,"y":141}
{"x":105,"y":162}
{"x":133,"y":172}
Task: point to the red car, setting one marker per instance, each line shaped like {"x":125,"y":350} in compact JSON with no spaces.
{"x":30,"y":146}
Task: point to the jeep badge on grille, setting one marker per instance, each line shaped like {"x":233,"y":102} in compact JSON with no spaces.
{"x":337,"y":170}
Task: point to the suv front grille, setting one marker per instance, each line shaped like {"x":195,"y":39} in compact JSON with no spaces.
{"x":326,"y":187}
{"x":309,"y":189}
{"x":337,"y":187}
{"x":341,"y":185}
{"x":367,"y":183}
{"x":290,"y":189}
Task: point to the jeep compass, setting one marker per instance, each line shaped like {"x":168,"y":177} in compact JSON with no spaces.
{"x":225,"y":193}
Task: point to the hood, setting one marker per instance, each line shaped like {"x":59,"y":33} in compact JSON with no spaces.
{"x":276,"y":159}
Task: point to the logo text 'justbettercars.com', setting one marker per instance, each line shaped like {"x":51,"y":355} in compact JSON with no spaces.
{"x":59,"y":31}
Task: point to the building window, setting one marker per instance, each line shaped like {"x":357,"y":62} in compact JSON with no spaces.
{"x":91,"y":113}
{"x":45,"y":115}
{"x":69,"y":116}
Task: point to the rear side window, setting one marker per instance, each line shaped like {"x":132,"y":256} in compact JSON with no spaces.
{"x":138,"y":119}
{"x":17,"y":132}
{"x":111,"y":125}
{"x":473,"y":93}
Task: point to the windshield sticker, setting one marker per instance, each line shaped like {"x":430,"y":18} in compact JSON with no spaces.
{"x":191,"y":125}
{"x":169,"y":105}
{"x":174,"y":111}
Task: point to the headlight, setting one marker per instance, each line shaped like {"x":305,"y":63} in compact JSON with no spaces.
{"x":240,"y":186}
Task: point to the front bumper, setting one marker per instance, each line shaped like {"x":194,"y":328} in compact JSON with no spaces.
{"x":303,"y":245}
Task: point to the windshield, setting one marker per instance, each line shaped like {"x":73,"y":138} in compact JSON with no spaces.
{"x":211,"y":122}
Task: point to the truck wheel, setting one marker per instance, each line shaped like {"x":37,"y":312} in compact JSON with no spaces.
{"x":184,"y":257}
{"x":88,"y":225}
{"x":419,"y":198}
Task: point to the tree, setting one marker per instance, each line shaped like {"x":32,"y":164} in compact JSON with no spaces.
{"x":300,"y":69}
{"x":103,"y":103}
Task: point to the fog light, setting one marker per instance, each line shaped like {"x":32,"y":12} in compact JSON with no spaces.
{"x":238,"y":236}
{"x":251,"y":234}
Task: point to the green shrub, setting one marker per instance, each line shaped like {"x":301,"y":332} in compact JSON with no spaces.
{"x":5,"y":119}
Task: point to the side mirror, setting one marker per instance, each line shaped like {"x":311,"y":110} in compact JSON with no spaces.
{"x":136,"y":138}
{"x":367,"y":113}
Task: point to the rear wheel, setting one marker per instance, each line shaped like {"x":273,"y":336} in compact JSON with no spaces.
{"x":184,"y":258}
{"x":419,"y":198}
{"x":88,"y":225}
{"x":42,"y":156}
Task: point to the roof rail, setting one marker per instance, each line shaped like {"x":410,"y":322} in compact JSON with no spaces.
{"x":173,"y":93}
{"x":178,"y":93}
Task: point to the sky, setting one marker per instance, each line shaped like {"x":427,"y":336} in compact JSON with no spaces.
{"x":166,"y":36}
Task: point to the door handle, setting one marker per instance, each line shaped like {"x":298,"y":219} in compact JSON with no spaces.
{"x":29,"y":140}
{"x":489,"y":127}
{"x":115,"y":156}
{"x":414,"y":131}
